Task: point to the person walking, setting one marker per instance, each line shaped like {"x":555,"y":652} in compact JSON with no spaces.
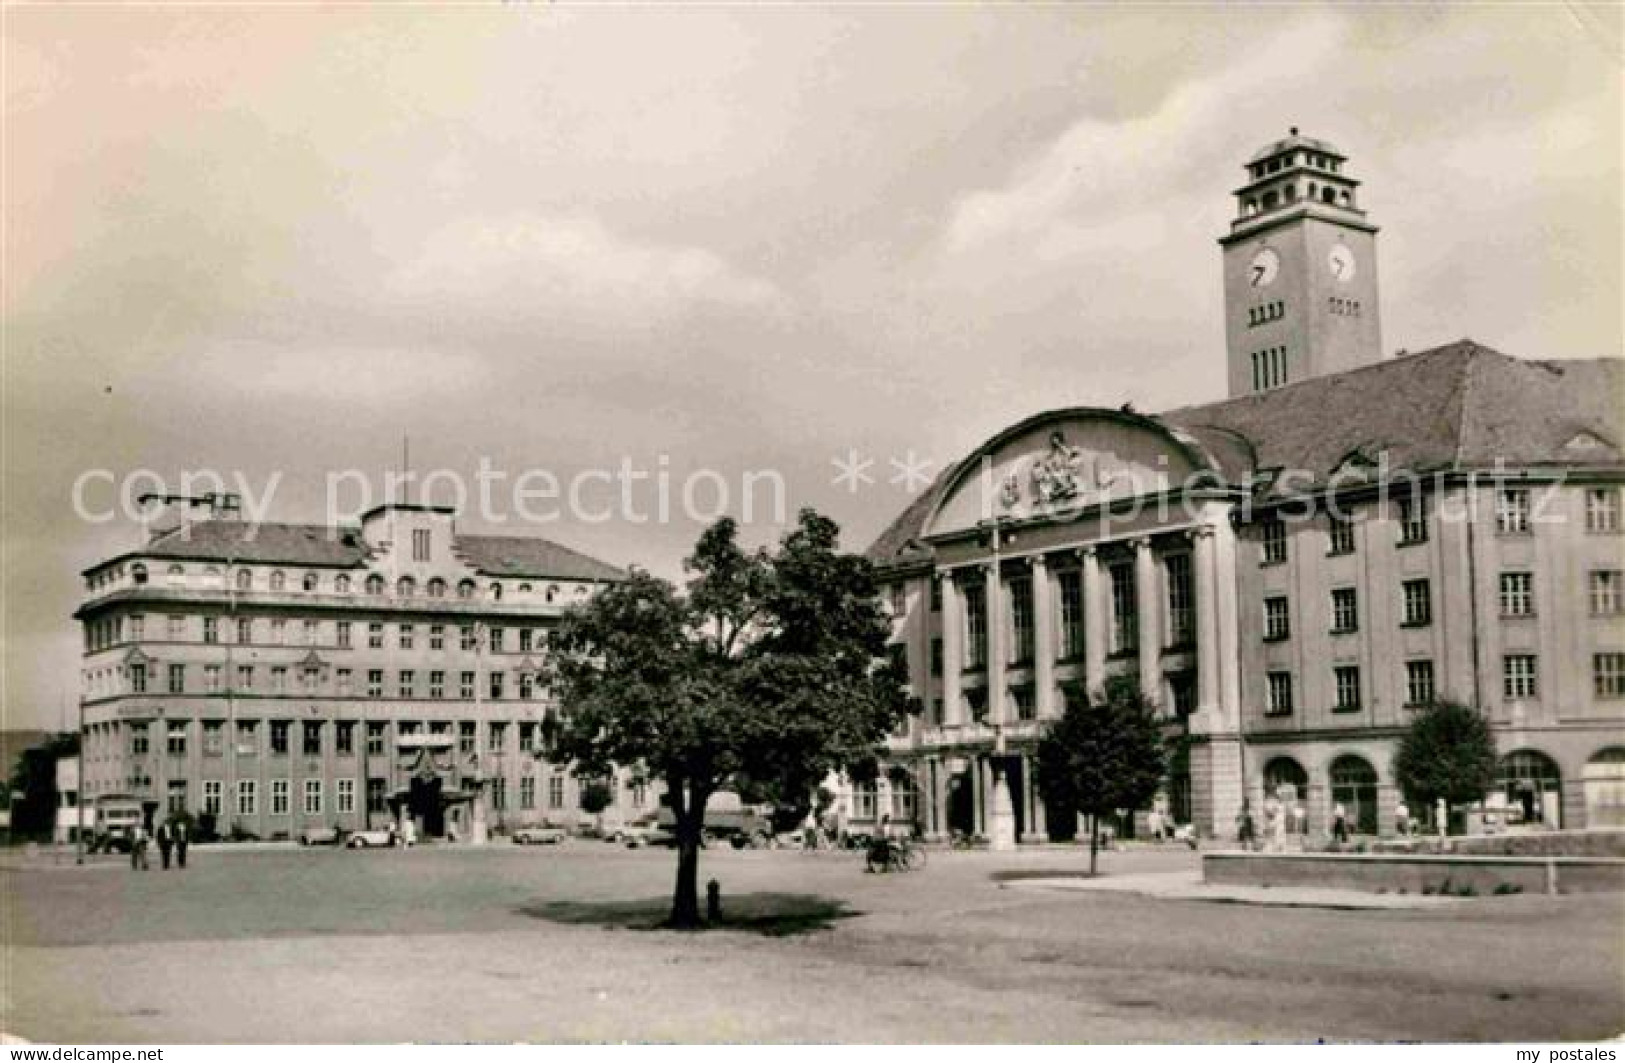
{"x":183,"y":837}
{"x":166,"y":842}
{"x":1402,"y":819}
{"x":138,"y":848}
{"x":1340,"y":823}
{"x":1246,"y":830}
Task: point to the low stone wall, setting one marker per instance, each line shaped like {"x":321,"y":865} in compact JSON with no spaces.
{"x":1393,"y":873}
{"x":1605,"y":843}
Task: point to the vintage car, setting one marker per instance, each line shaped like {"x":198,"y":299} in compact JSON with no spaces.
{"x":381,"y":838}
{"x":538,"y":835}
{"x":320,"y":836}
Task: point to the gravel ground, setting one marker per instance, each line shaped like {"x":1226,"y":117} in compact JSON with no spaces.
{"x":554,"y":944}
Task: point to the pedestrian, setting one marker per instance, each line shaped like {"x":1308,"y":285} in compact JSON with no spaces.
{"x":166,"y":842}
{"x":183,"y":837}
{"x":1246,"y":830}
{"x":1402,"y":819}
{"x":1340,"y":823}
{"x":138,"y":848}
{"x":1153,"y":823}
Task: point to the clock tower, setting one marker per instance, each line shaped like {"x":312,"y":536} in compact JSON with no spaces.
{"x":1300,"y":270}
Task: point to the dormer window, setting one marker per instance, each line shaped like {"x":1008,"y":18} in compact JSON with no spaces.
{"x":496,"y":592}
{"x":279,"y":580}
{"x":465,"y":589}
{"x":420,"y":544}
{"x":311,"y":581}
{"x":341,"y":584}
{"x":245,"y":579}
{"x":406,"y":586}
{"x":375,"y":584}
{"x":177,"y":575}
{"x":138,"y":573}
{"x":437,"y":588}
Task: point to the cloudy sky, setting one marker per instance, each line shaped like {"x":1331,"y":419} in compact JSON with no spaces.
{"x":272,"y":241}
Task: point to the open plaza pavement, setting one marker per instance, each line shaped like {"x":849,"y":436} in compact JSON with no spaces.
{"x":456,"y":944}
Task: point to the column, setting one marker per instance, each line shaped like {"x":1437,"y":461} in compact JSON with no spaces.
{"x":939,"y":799}
{"x":953,"y":651}
{"x":1148,"y":628}
{"x":1043,"y":639}
{"x":1207,"y":625}
{"x":1094,"y":623}
{"x":1002,"y":815}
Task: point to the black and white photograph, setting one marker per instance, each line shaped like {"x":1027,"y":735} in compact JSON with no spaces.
{"x":787,"y":524}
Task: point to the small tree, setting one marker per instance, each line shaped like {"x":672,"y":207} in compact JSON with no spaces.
{"x":1101,"y":755}
{"x":1447,"y":752}
{"x":771,"y":670}
{"x":596,"y":795}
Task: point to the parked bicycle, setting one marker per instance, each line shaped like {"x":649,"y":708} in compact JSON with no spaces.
{"x":894,"y":855}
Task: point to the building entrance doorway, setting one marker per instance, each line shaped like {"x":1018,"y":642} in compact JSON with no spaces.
{"x":961,"y":803}
{"x":424,"y":804}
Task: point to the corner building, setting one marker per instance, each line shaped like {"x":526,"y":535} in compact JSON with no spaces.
{"x":1287,"y":574}
{"x":284,"y":677}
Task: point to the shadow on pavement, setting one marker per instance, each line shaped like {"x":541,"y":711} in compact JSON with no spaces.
{"x":768,"y":914}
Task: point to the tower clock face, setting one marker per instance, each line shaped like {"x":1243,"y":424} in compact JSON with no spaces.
{"x":1265,"y":265}
{"x":1340,"y":260}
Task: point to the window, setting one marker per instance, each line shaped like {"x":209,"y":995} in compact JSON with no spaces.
{"x":1512,"y":511}
{"x":1339,"y":536}
{"x":1021,"y":621}
{"x":313,"y":632}
{"x":375,"y":636}
{"x":527,"y":686}
{"x":341,"y":584}
{"x":420,"y":544}
{"x":245,"y":630}
{"x":936,"y":657}
{"x":1280,"y":694}
{"x":211,"y":679}
{"x":1418,"y":683}
{"x":1277,"y":619}
{"x":177,"y":628}
{"x":312,"y":743}
{"x":375,"y":584}
{"x":279,"y":680}
{"x":1345,"y":611}
{"x":437,"y":588}
{"x":313,"y":797}
{"x":408,"y":680}
{"x":497,"y":738}
{"x":375,"y":683}
{"x":437,"y":636}
{"x":1125,"y":621}
{"x":465,"y":588}
{"x":138,"y":574}
{"x":377,"y":795}
{"x":211,"y":797}
{"x":406,"y":636}
{"x":1518,"y":677}
{"x":1418,"y":595}
{"x":177,"y":739}
{"x":279,"y":738}
{"x":311,"y":582}
{"x":1183,"y":687}
{"x":1413,"y":520}
{"x":1608,"y":674}
{"x":495,"y":639}
{"x":279,"y":797}
{"x":138,"y":627}
{"x":1273,"y":538}
{"x":247,"y":805}
{"x":177,"y":796}
{"x":405,"y":587}
{"x":343,"y":680}
{"x":465,"y":737}
{"x":1026,"y":703}
{"x":344,"y":797}
{"x":310,"y":679}
{"x":527,"y":792}
{"x":496,"y":686}
{"x":437,"y":684}
{"x":466,"y":636}
{"x":1181,"y":601}
{"x":465,"y":686}
{"x":344,"y":738}
{"x":527,"y":738}
{"x":555,"y":791}
{"x":177,"y":575}
{"x":864,"y":800}
{"x":1605,"y":587}
{"x":211,"y":630}
{"x":279,"y":632}
{"x":1347,"y":678}
{"x":279,"y":580}
{"x":248,"y":743}
{"x":1517,"y":594}
{"x":375,"y":739}
{"x":1602,"y":509}
{"x":975,"y":628}
{"x":138,"y":678}
{"x":1070,"y":585}
{"x":525,"y":640}
{"x":177,"y":679}
{"x":139,"y":740}
{"x":214,"y":737}
{"x":936,"y":593}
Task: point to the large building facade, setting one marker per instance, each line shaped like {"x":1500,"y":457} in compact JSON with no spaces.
{"x":279,"y":678}
{"x":1289,"y":574}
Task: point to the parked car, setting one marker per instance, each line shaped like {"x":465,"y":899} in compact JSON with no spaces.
{"x":320,"y":836}
{"x":538,"y":835}
{"x":637,"y":835}
{"x":381,"y":838}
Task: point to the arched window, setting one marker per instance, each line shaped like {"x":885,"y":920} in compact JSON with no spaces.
{"x":553,"y":592}
{"x":341,"y":584}
{"x":375,"y":584}
{"x":245,"y":579}
{"x":312,"y":581}
{"x":177,"y":575}
{"x":1603,"y":782}
{"x":1533,"y":786}
{"x":212,"y":577}
{"x":406,"y":586}
{"x":437,"y":588}
{"x":524,"y":588}
{"x":138,"y":573}
{"x":1354,"y":786}
{"x":279,"y":580}
{"x":1284,"y":771}
{"x":496,"y":592}
{"x":465,"y":588}
{"x":581,"y":591}
{"x":1328,"y":194}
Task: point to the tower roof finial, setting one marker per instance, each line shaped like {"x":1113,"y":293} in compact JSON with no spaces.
{"x":1293,"y":131}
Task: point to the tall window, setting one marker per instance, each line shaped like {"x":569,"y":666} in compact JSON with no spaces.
{"x":342,"y":634}
{"x":177,"y":678}
{"x":1072,"y":627}
{"x":375,"y":739}
{"x":247,"y":792}
{"x":527,"y":792}
{"x":177,"y":739}
{"x":1345,"y":611}
{"x":1608,"y":674}
{"x":313,"y":632}
{"x":408,"y":679}
{"x":1272,"y":535}
{"x":527,"y":738}
{"x":1125,"y":609}
{"x":139,"y":740}
{"x":312,"y":743}
{"x":497,"y":737}
{"x":211,"y":797}
{"x":344,"y":738}
{"x":1181,"y":601}
{"x":437,"y":636}
{"x":1517,"y":594}
{"x":1413,"y":519}
{"x":1512,"y":511}
{"x":138,"y":678}
{"x":1347,"y":678}
{"x":496,"y":686}
{"x":1519,"y":680}
{"x":1280,"y":694}
{"x":975,"y":628}
{"x":465,"y":686}
{"x":1602,"y":509}
{"x":1269,"y":368}
{"x":1339,"y":535}
{"x":375,"y":682}
{"x":1026,"y":701}
{"x":555,"y":791}
{"x":420,"y":544}
{"x":437,"y":684}
{"x":465,"y":737}
{"x":375,"y":636}
{"x":211,"y":630}
{"x":1418,"y":603}
{"x":343,"y":682}
{"x":248,"y":741}
{"x":313,"y":797}
{"x":344,"y":797}
{"x":1021,"y":621}
{"x":211,"y":679}
{"x":1277,"y":619}
{"x":466,"y":637}
{"x":407,"y":633}
{"x":214,"y":737}
{"x":1604,"y":589}
{"x":1418,"y":683}
{"x":279,"y":738}
{"x":279,"y":797}
{"x":377,"y":795}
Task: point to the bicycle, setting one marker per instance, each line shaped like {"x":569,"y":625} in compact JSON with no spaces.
{"x":899,"y":856}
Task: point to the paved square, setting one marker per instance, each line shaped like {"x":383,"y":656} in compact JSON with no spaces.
{"x":545,"y":944}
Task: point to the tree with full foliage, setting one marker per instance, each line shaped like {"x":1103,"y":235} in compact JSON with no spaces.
{"x":1448,"y":752}
{"x":33,"y":786}
{"x":596,"y":795}
{"x":1103,"y":754}
{"x":771,"y":671}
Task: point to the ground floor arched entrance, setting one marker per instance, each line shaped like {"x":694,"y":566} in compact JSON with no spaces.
{"x":1603,"y":784}
{"x":1354,"y":786}
{"x":1533,"y":787}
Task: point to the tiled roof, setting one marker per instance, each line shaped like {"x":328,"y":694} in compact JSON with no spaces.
{"x":504,"y":555}
{"x":1458,"y":407}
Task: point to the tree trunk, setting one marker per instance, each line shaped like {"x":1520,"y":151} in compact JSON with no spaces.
{"x":1094,"y":842}
{"x":688,"y":808}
